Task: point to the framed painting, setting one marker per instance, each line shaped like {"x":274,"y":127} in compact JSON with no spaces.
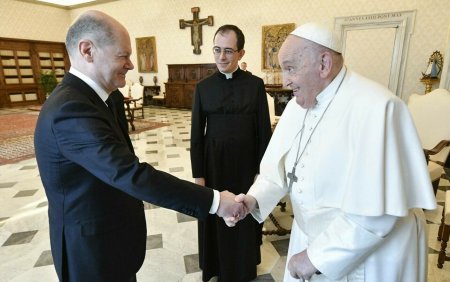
{"x":272,"y":38}
{"x":146,"y":54}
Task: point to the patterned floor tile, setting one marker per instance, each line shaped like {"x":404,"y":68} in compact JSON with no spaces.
{"x":184,"y":218}
{"x":42,"y":204}
{"x":191,"y":263}
{"x":7,"y":184}
{"x":44,"y":259}
{"x":172,"y":253}
{"x":3,"y":220}
{"x":154,"y":241}
{"x":25,"y":193}
{"x":20,"y":238}
{"x":281,"y":246}
{"x":176,"y":169}
{"x":27,"y":167}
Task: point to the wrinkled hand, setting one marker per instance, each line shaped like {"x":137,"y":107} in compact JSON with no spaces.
{"x":249,"y":204}
{"x":248,"y":200}
{"x":300,"y":267}
{"x":229,"y":208}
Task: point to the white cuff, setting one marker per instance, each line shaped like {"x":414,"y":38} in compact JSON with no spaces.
{"x":215,"y":203}
{"x":267,"y":194}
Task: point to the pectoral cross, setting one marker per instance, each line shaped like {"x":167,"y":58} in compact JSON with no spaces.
{"x":196,"y":28}
{"x":292,"y":178}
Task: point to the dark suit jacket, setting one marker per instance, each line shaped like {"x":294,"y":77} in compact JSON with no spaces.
{"x":94,"y":185}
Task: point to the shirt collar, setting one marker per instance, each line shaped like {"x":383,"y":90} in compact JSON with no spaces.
{"x":100,"y":92}
{"x":229,"y":75}
{"x":330,"y":90}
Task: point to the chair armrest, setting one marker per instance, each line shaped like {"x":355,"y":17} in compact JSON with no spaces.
{"x":441,"y":145}
{"x":135,"y":100}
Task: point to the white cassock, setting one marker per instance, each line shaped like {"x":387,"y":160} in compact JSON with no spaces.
{"x":362,"y":182}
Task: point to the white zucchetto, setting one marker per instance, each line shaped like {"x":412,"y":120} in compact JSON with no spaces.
{"x":319,"y":34}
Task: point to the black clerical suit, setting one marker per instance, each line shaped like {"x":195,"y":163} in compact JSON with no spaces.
{"x":94,"y":185}
{"x":235,"y":114}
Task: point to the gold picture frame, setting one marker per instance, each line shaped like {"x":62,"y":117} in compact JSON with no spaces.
{"x":146,"y":54}
{"x":272,"y":38}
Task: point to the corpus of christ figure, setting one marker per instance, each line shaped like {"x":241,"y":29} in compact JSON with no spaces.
{"x":196,"y":28}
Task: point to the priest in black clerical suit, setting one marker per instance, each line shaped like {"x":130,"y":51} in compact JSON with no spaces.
{"x":230,"y":132}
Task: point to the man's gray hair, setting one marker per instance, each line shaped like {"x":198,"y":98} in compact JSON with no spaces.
{"x":90,"y":27}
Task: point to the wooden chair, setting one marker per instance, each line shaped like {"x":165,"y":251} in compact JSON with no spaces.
{"x":431,"y":115}
{"x":137,"y":94}
{"x":159,"y":99}
{"x":444,"y":228}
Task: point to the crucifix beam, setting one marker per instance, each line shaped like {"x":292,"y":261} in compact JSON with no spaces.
{"x":196,"y":28}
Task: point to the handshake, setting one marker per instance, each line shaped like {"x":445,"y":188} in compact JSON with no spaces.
{"x":233,"y":208}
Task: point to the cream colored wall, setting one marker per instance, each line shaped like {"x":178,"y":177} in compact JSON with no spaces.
{"x":160,"y":19}
{"x":29,"y":21}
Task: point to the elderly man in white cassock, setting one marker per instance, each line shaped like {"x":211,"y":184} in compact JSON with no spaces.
{"x":347,"y":153}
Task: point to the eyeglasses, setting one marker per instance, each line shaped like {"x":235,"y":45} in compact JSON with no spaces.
{"x":228,"y":51}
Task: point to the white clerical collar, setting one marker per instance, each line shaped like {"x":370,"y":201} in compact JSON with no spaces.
{"x":330,"y":90}
{"x":100,"y":92}
{"x":229,"y":75}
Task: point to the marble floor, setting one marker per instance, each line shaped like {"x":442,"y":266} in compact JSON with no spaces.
{"x":172,"y":237}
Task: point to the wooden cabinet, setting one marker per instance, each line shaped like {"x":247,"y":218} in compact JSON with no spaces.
{"x":174,"y":95}
{"x":21,"y":63}
{"x":181,"y":83}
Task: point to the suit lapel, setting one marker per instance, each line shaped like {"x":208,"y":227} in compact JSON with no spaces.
{"x":117,"y":126}
{"x":121,"y":119}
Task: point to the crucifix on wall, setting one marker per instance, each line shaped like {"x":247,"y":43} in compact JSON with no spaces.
{"x":196,"y":28}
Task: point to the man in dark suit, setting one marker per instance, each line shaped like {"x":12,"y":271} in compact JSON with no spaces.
{"x":94,"y":182}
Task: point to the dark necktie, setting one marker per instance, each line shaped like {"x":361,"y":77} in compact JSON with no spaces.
{"x":112,"y":107}
{"x":123,"y":131}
